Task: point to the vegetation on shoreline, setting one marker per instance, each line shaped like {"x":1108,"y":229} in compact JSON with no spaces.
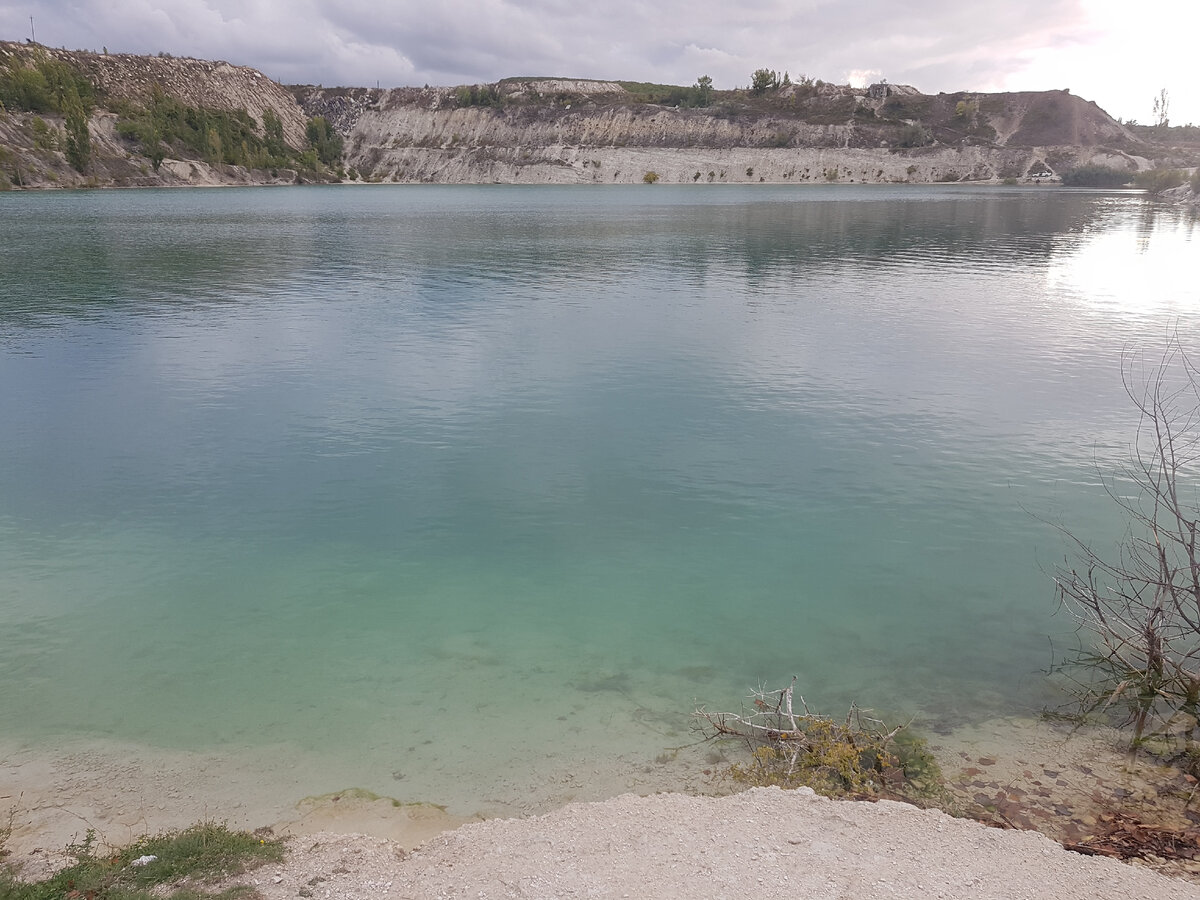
{"x":1138,"y":606}
{"x":854,"y":757}
{"x":153,"y":867}
{"x":1153,"y":181}
{"x":1096,"y":176}
{"x":1125,"y":809}
{"x":1156,"y":181}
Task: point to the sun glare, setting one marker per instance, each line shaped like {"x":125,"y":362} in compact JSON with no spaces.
{"x":1101,"y":272}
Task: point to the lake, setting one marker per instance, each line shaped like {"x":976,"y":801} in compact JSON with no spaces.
{"x":470,"y":494}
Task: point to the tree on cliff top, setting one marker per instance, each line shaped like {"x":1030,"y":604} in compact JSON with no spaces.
{"x":1162,"y":109}
{"x":763,"y":80}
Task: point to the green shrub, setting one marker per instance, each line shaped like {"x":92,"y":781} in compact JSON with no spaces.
{"x":913,"y":136}
{"x":218,"y":136}
{"x":79,"y":140}
{"x":1095,"y":176}
{"x":683,"y":97}
{"x":854,"y":756}
{"x":899,"y":106}
{"x":273,"y":141}
{"x":763,"y":80}
{"x":669,"y":94}
{"x":24,"y":89}
{"x":46,"y":86}
{"x":650,"y":177}
{"x":478,"y":95}
{"x":323,"y":139}
{"x":50,"y":85}
{"x":44,"y":137}
{"x":1155,"y":181}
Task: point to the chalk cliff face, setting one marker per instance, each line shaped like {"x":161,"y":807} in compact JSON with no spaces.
{"x":563,"y":131}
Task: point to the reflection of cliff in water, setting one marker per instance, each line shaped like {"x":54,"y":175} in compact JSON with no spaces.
{"x":446,"y":247}
{"x":1153,"y":215}
{"x":82,"y":259}
{"x":762,"y":232}
{"x":969,"y":229}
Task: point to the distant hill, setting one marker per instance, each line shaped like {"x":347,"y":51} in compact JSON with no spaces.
{"x":159,"y":120}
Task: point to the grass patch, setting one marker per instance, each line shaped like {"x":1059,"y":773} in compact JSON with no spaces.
{"x":201,"y":853}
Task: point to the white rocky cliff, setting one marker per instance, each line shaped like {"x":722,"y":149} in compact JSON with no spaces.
{"x":554,"y":131}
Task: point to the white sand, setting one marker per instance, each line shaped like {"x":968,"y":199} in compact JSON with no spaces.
{"x":765,"y":843}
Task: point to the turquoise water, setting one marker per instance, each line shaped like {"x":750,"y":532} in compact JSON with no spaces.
{"x":444,"y":478}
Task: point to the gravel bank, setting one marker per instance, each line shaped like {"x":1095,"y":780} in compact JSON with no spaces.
{"x":764,"y":843}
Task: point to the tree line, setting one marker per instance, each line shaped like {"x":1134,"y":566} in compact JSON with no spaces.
{"x":223,"y":137}
{"x":52,"y":86}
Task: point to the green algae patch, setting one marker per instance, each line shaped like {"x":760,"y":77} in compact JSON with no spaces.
{"x":362,"y":795}
{"x":361,"y":811}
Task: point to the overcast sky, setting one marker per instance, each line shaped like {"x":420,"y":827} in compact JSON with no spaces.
{"x":1119,"y":54}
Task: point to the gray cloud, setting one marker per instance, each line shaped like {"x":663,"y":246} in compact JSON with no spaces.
{"x":935,"y":44}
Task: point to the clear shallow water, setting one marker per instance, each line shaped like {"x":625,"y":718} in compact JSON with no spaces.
{"x":446,"y":479}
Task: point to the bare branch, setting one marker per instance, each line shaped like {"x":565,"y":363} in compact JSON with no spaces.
{"x":1142,"y":609}
{"x":792,"y":748}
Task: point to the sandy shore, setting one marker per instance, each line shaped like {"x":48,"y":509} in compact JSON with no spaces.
{"x":764,"y":843}
{"x":350,"y":843}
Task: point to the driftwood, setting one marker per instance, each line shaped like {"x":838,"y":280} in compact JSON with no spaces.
{"x":786,"y":745}
{"x":1124,"y":837}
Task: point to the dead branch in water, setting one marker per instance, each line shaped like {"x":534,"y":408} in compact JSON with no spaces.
{"x":1138,"y":605}
{"x":791,"y":748}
